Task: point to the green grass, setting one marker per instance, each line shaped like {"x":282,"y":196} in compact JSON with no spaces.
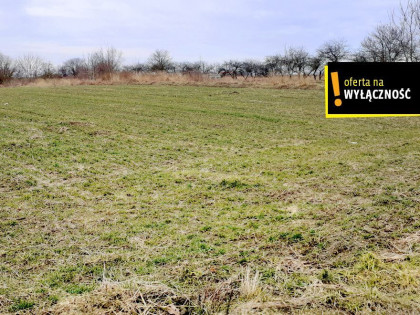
{"x":189,"y":187}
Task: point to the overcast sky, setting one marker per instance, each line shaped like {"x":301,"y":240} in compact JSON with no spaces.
{"x":212,"y":30}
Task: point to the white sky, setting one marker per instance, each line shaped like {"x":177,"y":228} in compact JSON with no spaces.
{"x":211,"y":30}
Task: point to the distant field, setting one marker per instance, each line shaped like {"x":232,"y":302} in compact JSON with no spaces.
{"x":164,"y":199}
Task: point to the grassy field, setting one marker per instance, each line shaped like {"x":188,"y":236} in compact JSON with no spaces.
{"x":163,"y":199}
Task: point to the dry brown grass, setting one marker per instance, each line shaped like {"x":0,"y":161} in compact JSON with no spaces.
{"x":250,"y":284}
{"x":128,"y":298}
{"x":139,"y":297}
{"x":190,"y":79}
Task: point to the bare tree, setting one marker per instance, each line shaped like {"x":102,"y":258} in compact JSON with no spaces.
{"x":288,"y":62}
{"x":160,"y":60}
{"x":384,"y":44}
{"x":104,"y":62}
{"x":299,"y":58}
{"x":205,"y":67}
{"x":188,"y":67}
{"x":275,"y":64}
{"x":137,"y":68}
{"x":196,"y":67}
{"x":6,"y":68}
{"x":316,"y":66}
{"x":74,"y":67}
{"x":49,"y":71}
{"x":360,"y":56}
{"x":31,"y":66}
{"x":254,"y":69}
{"x":334,"y":51}
{"x":232,"y":68}
{"x":113,"y":59}
{"x":250,"y":68}
{"x":407,"y":20}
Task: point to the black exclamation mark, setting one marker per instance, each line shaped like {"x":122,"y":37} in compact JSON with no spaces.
{"x":336,"y":88}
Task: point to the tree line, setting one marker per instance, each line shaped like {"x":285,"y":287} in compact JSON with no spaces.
{"x":398,"y":40}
